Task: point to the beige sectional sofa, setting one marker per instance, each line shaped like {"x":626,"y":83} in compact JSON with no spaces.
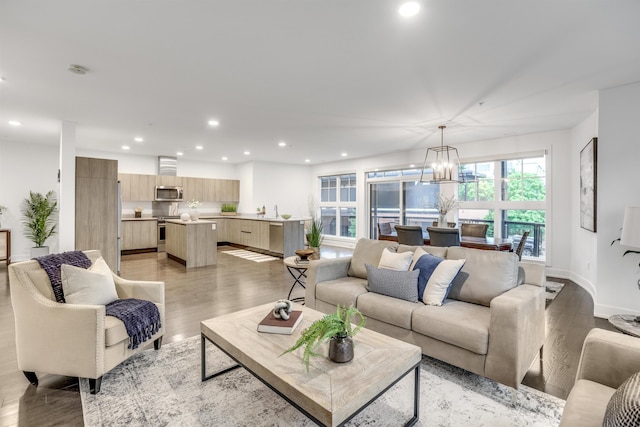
{"x":492,"y":322}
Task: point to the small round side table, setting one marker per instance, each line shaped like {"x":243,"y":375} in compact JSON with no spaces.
{"x":626,"y":323}
{"x":299,"y":273}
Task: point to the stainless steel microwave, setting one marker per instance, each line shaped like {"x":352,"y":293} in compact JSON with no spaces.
{"x":168,"y":194}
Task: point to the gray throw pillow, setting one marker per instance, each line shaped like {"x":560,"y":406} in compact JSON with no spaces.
{"x":393,"y":283}
{"x":624,"y":407}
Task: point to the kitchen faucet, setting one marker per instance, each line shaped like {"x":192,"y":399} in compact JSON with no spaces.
{"x":275,"y":207}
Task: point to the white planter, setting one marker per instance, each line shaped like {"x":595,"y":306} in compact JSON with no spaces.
{"x":38,"y":252}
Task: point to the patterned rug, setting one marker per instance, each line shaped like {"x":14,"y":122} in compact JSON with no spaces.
{"x":250,"y":255}
{"x":164,"y":388}
{"x":552,"y":291}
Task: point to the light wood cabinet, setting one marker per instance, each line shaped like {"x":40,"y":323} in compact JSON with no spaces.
{"x":222,"y":228}
{"x":137,"y":187}
{"x":136,"y":235}
{"x":169,"y":181}
{"x":194,"y":189}
{"x":96,"y":210}
{"x":194,"y":244}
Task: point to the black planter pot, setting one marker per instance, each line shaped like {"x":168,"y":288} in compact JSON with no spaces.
{"x":341,"y":349}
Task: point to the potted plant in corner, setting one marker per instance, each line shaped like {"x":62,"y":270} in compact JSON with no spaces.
{"x":39,"y":221}
{"x":335,"y":327}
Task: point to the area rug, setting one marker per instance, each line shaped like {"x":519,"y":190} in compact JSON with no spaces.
{"x":250,"y":255}
{"x":164,"y":388}
{"x":552,"y":291}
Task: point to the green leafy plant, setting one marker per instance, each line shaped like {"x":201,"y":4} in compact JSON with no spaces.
{"x":38,"y":217}
{"x":337,"y":324}
{"x":315,"y":237}
{"x":228,"y":207}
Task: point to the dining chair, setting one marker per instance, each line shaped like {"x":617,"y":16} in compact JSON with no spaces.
{"x":384,"y":228}
{"x":444,"y":236}
{"x":474,"y":230}
{"x":520,"y":247}
{"x":410,"y":235}
{"x":449,"y":224}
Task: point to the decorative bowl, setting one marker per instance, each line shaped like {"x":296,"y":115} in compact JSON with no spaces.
{"x":304,"y":253}
{"x":286,"y":216}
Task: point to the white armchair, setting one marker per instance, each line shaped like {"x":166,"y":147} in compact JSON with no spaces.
{"x":72,"y":339}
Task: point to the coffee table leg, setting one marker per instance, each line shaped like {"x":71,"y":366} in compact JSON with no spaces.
{"x":203,"y":361}
{"x":416,"y":398}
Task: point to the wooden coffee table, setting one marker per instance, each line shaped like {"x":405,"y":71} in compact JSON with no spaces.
{"x":330,"y":393}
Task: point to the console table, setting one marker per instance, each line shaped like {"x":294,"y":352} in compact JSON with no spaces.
{"x":7,"y":252}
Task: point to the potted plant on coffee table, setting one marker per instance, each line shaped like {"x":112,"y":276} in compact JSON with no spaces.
{"x":38,"y":217}
{"x":335,"y":327}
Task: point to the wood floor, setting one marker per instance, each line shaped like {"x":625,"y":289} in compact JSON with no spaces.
{"x":233,"y":284}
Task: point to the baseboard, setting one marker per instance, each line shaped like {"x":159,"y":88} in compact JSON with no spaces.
{"x":604,"y":311}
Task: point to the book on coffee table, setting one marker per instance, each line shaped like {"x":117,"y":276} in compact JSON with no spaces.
{"x":273,"y":325}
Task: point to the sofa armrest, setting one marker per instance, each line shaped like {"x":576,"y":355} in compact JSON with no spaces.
{"x":516,"y":333}
{"x":322,"y":270}
{"x":534,"y":273}
{"x":608,"y":357}
{"x":146,"y":290}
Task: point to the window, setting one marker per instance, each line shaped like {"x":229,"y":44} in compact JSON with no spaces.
{"x":338,"y":208}
{"x":509,"y":195}
{"x":395,"y":197}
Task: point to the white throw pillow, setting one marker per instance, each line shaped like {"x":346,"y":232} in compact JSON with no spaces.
{"x":93,"y":286}
{"x":440,"y":281}
{"x":395,"y":261}
{"x":416,"y":256}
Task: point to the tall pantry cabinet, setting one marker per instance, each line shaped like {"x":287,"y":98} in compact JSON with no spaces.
{"x":97,"y":207}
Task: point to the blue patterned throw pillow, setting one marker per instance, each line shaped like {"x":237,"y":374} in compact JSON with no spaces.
{"x":393,"y":283}
{"x":426,"y":265}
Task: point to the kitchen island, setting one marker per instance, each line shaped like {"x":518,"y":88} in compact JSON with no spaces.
{"x":192,"y":243}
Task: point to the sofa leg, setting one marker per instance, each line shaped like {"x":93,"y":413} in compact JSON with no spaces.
{"x":31,"y":376}
{"x":157,"y":343}
{"x":541,"y":353}
{"x":94,"y":385}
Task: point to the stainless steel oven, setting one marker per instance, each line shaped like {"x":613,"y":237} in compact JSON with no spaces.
{"x":162,"y":230}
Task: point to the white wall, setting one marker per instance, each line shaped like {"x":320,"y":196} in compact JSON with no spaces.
{"x":583,"y":243}
{"x":24,"y":168}
{"x":284,"y":185}
{"x":618,"y":157}
{"x":245,"y":175}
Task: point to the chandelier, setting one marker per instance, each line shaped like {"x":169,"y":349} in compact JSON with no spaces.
{"x":444,"y":161}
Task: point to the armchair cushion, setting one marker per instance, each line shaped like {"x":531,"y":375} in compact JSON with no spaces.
{"x":94,"y":285}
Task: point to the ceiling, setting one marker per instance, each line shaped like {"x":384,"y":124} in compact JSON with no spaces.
{"x":325,"y":76}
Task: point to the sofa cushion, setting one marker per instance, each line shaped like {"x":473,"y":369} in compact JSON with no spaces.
{"x":433,"y":250}
{"x":368,"y":251}
{"x":455,"y":322}
{"x":586,"y":404}
{"x":94,"y":285}
{"x":485,"y":275}
{"x":394,"y":261}
{"x":393,"y":283}
{"x":386,"y":309}
{"x":623,"y":408}
{"x":426,"y":264}
{"x":440,"y":281}
{"x":343,"y":291}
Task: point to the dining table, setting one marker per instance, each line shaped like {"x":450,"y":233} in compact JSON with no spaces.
{"x":484,"y":243}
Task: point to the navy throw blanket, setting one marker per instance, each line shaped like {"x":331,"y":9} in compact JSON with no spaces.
{"x":140,"y":317}
{"x":51,"y":264}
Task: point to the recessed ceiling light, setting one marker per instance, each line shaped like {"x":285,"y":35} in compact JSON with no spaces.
{"x":225,"y":158}
{"x":282,"y":144}
{"x":213,"y":123}
{"x":246,"y":153}
{"x":199,"y":147}
{"x":138,"y":139}
{"x":412,"y":165}
{"x":409,"y":9}
{"x":307,"y":160}
{"x":15,"y":123}
{"x":343,"y":154}
{"x":2,"y":79}
{"x":179,"y":153}
{"x":125,"y":147}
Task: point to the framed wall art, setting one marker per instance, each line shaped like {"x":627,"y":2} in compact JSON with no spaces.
{"x":588,"y":185}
